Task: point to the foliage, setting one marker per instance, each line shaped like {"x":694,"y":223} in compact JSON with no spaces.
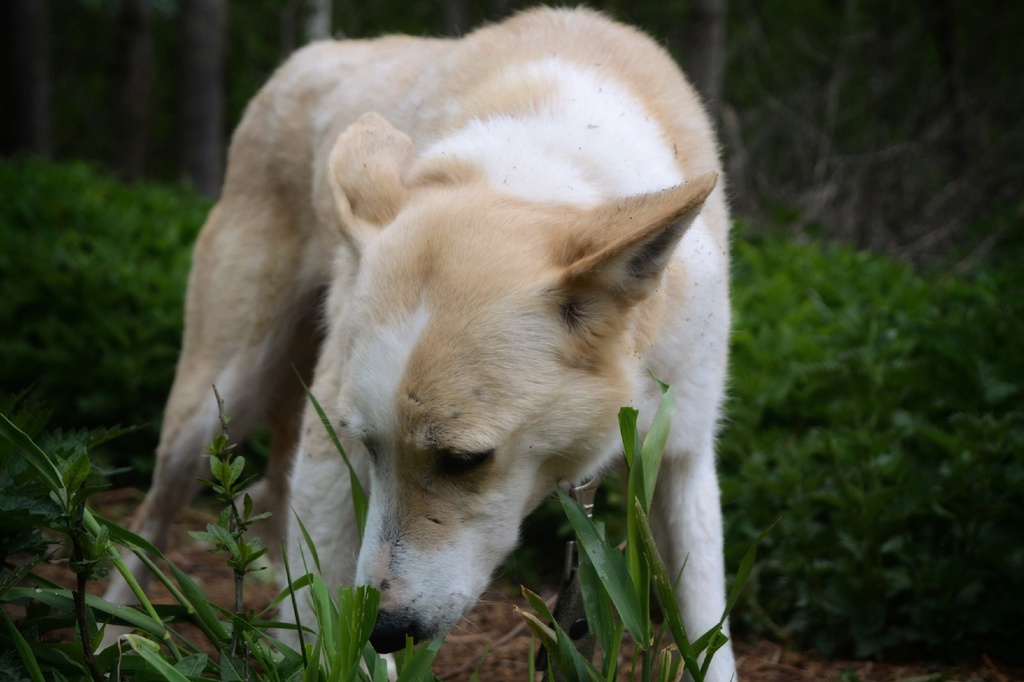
{"x":92,"y":276}
{"x":878,"y":413}
{"x":611,"y":577}
{"x":58,"y":478}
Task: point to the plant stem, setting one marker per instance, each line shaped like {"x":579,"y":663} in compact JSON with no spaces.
{"x":78,"y":556}
{"x":118,"y":561}
{"x":236,"y":643}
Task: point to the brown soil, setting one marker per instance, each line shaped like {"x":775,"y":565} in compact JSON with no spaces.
{"x":492,"y":641}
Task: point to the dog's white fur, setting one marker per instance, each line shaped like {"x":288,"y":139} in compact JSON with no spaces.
{"x":503,"y":252}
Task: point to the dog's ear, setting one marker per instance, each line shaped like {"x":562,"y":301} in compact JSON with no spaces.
{"x":367,"y":164}
{"x":621,"y":248}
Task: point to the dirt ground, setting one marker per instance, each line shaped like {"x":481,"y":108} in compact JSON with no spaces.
{"x":493,"y":642}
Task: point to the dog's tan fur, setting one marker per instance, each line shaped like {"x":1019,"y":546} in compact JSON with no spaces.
{"x":510,"y":326}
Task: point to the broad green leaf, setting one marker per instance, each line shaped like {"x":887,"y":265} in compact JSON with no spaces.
{"x":610,"y":567}
{"x":597,"y":604}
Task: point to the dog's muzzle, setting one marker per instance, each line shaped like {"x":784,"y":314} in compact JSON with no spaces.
{"x":392,"y":628}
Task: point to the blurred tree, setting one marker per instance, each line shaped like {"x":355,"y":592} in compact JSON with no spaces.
{"x":26,"y":121}
{"x":318,"y":20}
{"x":200,"y":100}
{"x":456,"y":17}
{"x":133,"y":76}
{"x":703,"y":49}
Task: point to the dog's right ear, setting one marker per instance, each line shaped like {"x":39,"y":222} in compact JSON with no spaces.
{"x":367,"y":165}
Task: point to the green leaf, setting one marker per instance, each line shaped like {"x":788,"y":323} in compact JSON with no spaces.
{"x":562,"y":651}
{"x":192,"y":666}
{"x":150,"y":651}
{"x":360,"y":501}
{"x":417,"y":666}
{"x":309,"y":544}
{"x":610,"y":567}
{"x":232,"y":669}
{"x":598,"y":606}
{"x":235,"y":469}
{"x":196,"y":600}
{"x":666,"y":591}
{"x":75,"y":470}
{"x":28,"y":659}
{"x":654,"y":444}
{"x":630,"y":435}
{"x":746,"y":565}
{"x":39,"y":460}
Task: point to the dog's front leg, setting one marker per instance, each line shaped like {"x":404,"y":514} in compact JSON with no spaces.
{"x":321,"y":498}
{"x":686,"y":519}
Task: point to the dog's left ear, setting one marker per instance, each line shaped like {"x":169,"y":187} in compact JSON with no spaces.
{"x":623,"y":247}
{"x":367,"y":164}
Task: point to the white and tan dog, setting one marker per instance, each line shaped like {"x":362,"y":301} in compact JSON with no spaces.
{"x":485,"y":246}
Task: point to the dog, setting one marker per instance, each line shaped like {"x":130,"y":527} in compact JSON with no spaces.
{"x":478,"y":249}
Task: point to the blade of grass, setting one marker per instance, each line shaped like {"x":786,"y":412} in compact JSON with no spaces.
{"x":360,"y":501}
{"x":561,"y":649}
{"x":666,"y":592}
{"x":28,"y":659}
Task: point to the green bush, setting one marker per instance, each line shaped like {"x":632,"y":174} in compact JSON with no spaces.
{"x":879,"y":414}
{"x":92,"y":278}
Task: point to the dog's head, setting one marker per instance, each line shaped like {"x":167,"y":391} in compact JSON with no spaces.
{"x":484,"y":350}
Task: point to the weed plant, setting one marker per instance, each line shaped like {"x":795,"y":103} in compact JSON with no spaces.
{"x":623,"y":579}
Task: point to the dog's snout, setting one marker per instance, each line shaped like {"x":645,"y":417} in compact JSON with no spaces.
{"x":391,"y":629}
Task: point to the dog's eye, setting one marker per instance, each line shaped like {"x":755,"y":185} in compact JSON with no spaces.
{"x":454,"y":463}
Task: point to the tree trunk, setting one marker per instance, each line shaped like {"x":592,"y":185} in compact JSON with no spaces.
{"x":703,"y":50}
{"x":133,"y":88}
{"x":26,"y":115}
{"x":456,"y":17}
{"x":318,"y":20}
{"x":200,"y":107}
{"x":944,"y":23}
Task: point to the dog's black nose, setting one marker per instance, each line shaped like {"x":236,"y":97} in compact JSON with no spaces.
{"x":391,"y":629}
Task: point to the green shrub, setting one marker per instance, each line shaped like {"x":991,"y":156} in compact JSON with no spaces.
{"x":92,"y":278}
{"x":879,"y":414}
